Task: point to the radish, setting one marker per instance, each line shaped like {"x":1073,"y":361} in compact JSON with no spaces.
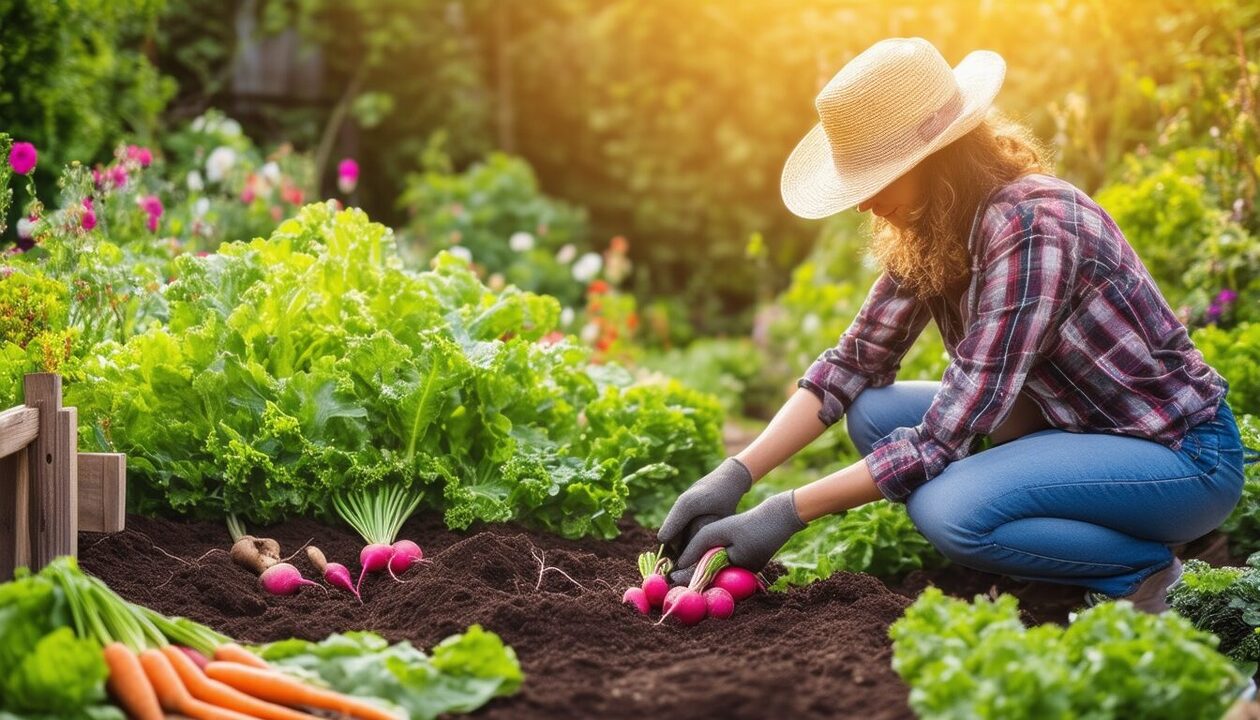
{"x":719,"y":603}
{"x":406,"y":554}
{"x":335,"y":574}
{"x":686,"y":603}
{"x":737,"y":581}
{"x":200,"y":660}
{"x":373,"y":558}
{"x":284,"y":579}
{"x":654,"y":566}
{"x":636,"y":597}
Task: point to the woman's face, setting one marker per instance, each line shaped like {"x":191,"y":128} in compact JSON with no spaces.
{"x":895,"y":201}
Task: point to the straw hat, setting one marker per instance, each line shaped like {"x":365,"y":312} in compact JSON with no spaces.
{"x":887,"y":109}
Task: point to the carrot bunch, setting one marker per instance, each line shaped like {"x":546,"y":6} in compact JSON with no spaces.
{"x":236,"y":685}
{"x":160,"y":664}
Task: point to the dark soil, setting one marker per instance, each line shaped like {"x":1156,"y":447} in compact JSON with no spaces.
{"x":817,"y":652}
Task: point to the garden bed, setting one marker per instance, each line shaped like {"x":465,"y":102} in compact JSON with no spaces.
{"x":820,"y":651}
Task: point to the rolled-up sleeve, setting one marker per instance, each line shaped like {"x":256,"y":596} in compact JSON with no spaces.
{"x":1027,"y":275}
{"x":869,"y":352}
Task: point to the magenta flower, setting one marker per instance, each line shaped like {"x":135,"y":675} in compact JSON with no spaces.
{"x":347,"y":175}
{"x":118,"y":176}
{"x":1226,"y":296}
{"x":142,"y":155}
{"x":152,"y":205}
{"x":89,"y":218}
{"x":22,"y":157}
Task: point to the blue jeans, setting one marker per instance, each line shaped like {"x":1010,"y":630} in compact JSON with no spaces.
{"x":1086,"y":509}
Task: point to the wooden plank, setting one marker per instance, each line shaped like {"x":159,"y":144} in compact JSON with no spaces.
{"x":53,"y":458}
{"x":15,"y":532}
{"x":18,"y":427}
{"x":102,"y":492}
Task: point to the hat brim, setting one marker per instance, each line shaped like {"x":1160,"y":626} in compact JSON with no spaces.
{"x":811,"y":186}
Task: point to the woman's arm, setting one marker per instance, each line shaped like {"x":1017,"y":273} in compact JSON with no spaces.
{"x":793,"y":427}
{"x":842,"y":490}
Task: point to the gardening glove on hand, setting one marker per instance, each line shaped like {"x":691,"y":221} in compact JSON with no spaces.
{"x":710,"y":498}
{"x":751,"y":538}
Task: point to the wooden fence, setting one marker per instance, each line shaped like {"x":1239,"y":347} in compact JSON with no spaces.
{"x":49,"y":491}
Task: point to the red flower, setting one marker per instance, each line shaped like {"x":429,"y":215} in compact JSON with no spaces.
{"x":598,"y":287}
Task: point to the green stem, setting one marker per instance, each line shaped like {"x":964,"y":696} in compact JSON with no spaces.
{"x":710,"y":563}
{"x":235,"y":528}
{"x":378,"y":515}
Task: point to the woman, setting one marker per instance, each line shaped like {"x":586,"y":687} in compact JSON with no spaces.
{"x":1111,"y":438}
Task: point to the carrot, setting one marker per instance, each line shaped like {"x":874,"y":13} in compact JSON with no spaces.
{"x":172,"y":694}
{"x":129,"y":685}
{"x":225,"y":696}
{"x":277,"y":687}
{"x":231,"y":652}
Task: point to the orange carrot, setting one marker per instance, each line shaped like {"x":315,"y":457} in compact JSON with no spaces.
{"x":129,"y":685}
{"x":172,"y":694}
{"x":231,"y":652}
{"x":274,"y":686}
{"x":225,"y":696}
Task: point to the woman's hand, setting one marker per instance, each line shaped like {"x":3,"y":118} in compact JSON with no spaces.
{"x":751,"y":538}
{"x":710,"y":498}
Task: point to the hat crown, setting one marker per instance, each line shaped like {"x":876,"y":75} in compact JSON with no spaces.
{"x":895,"y":96}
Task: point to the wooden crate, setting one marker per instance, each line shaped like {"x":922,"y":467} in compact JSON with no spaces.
{"x":49,"y":491}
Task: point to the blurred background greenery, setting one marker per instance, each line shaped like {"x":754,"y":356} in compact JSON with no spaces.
{"x":621,"y":155}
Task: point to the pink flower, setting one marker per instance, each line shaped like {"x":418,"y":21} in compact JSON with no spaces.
{"x":347,"y":175}
{"x":118,"y":176}
{"x":22,"y":157}
{"x":152,"y":205}
{"x":1226,"y":296}
{"x":247,"y":195}
{"x":292,"y":194}
{"x":142,"y":155}
{"x":88,"y":221}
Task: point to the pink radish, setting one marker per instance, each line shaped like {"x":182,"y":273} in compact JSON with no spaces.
{"x":737,"y":581}
{"x":201,"y":660}
{"x":653,"y":566}
{"x":671,"y":597}
{"x":719,"y":603}
{"x":686,"y":603}
{"x":373,"y":558}
{"x":406,"y":554}
{"x":636,"y":597}
{"x":335,"y":574}
{"x":284,"y":579}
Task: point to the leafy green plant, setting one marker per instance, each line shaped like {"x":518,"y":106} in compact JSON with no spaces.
{"x":1235,"y":354}
{"x":466,"y":670}
{"x":977,"y":660}
{"x":312,"y":365}
{"x":1224,"y":601}
{"x":877,"y":538}
{"x":1242,"y":527}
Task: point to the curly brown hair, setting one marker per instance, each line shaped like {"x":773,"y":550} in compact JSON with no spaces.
{"x":930,"y":256}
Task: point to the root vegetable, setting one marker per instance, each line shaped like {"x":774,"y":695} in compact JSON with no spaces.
{"x":282,"y":689}
{"x":737,"y":581}
{"x":256,"y":554}
{"x":231,"y":652}
{"x":638,"y":599}
{"x":174,"y":697}
{"x":284,"y":579}
{"x":406,"y":554}
{"x":226,"y":696}
{"x":686,"y":603}
{"x":688,"y":606}
{"x":335,"y":574}
{"x":129,"y":685}
{"x":198,"y":659}
{"x":654,"y":566}
{"x":373,"y":558}
{"x":671,"y":597}
{"x":719,"y":603}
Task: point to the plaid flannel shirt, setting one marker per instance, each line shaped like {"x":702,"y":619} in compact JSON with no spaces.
{"x":1061,"y":308}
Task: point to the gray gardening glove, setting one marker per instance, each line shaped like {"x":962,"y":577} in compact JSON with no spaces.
{"x":710,"y":498}
{"x":751,"y":538}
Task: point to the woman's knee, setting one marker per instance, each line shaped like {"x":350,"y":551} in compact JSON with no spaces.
{"x":947,"y":521}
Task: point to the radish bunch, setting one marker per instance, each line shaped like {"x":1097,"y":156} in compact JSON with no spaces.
{"x":714,"y":589}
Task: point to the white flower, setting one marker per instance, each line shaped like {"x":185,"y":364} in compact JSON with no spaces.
{"x":461,"y":252}
{"x":566,"y":254}
{"x":201,"y":207}
{"x":195,"y":183}
{"x":220,"y":163}
{"x":198,"y":123}
{"x":521,"y":242}
{"x":587,"y":267}
{"x":24,"y":226}
{"x":566,"y":317}
{"x":230,"y":127}
{"x":590,"y":331}
{"x":271,"y":171}
{"x":810,"y":323}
